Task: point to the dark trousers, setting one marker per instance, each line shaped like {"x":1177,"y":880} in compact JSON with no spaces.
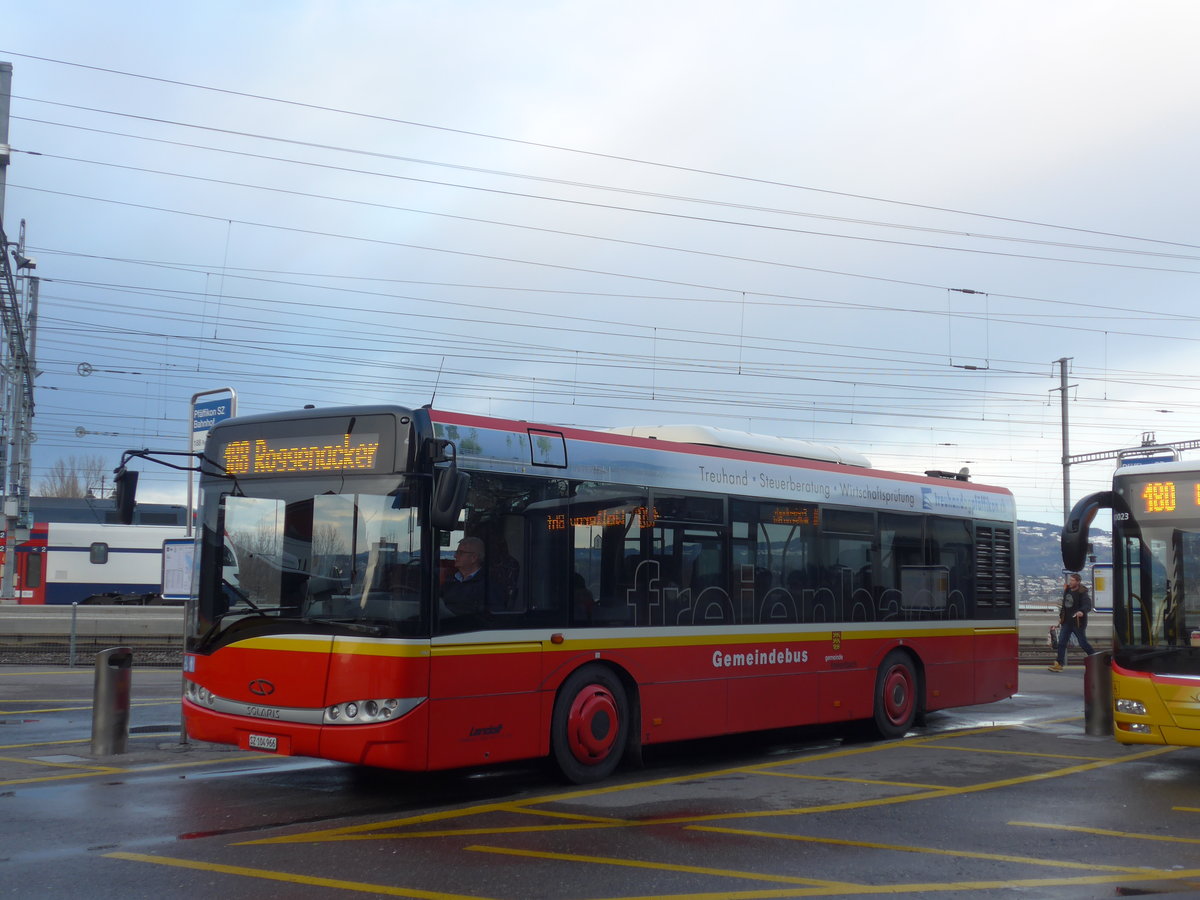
{"x":1069,"y":628}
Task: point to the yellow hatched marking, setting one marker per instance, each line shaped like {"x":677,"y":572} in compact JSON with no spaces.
{"x":903,"y":784}
{"x":368,"y":830}
{"x":490,"y":831}
{"x":388,"y":829}
{"x":97,"y":771}
{"x":1104,"y":832}
{"x":426,"y":818}
{"x":133,"y":737}
{"x":61,"y":765}
{"x":919,"y":889}
{"x":923,"y":795}
{"x":339,"y":884}
{"x":48,"y":778}
{"x":77,"y":707}
{"x":575,"y":817}
{"x":666,"y":867}
{"x":931,"y":851}
{"x":45,"y":744}
{"x":940,"y":746}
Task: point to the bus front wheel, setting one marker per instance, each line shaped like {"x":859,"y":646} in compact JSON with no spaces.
{"x":591,"y":724}
{"x":896,"y":695}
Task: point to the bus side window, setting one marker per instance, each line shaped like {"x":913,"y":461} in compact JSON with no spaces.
{"x":98,"y":554}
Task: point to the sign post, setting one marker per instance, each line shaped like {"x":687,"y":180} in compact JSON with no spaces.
{"x":204,"y":416}
{"x":178,"y":559}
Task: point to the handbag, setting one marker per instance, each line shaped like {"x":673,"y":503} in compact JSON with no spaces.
{"x":1052,"y":637}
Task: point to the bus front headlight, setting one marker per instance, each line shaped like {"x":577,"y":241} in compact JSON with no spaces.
{"x":364,"y":712}
{"x":1131,"y":707}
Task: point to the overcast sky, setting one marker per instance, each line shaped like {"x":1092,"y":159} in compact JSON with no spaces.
{"x":761,"y":215}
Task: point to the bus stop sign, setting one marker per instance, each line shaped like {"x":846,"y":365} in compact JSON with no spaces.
{"x":205,"y":415}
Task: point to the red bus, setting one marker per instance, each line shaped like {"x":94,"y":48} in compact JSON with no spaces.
{"x":632,"y":588}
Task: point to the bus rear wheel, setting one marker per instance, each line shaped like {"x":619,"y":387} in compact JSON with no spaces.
{"x":896,"y":695}
{"x":590,"y":727}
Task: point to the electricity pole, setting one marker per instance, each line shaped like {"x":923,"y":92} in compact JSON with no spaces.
{"x":18,"y":316}
{"x":1066,"y":443}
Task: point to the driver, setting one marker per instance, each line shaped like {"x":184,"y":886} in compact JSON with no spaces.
{"x":466,"y":592}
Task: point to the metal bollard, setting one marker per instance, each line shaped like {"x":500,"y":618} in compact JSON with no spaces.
{"x":1097,"y":694}
{"x":110,"y":704}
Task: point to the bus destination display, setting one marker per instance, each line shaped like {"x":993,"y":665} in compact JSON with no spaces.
{"x":1165,"y":497}
{"x":311,"y":454}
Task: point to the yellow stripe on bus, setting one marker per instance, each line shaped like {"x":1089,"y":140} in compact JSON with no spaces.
{"x":298,"y":643}
{"x":456,"y":646}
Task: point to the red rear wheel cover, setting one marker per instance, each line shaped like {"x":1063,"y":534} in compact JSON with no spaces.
{"x":593,"y":724}
{"x":898,"y":694}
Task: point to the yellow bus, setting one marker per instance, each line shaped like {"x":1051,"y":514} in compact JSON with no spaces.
{"x":1155,"y":503}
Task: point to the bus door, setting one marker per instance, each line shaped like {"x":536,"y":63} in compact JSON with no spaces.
{"x":491,"y":617}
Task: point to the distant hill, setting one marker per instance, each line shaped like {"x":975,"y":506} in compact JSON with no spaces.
{"x":1038,"y":553}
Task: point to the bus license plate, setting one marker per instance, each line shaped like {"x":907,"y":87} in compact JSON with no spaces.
{"x":264,"y":742}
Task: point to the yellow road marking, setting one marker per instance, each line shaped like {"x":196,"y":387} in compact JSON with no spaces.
{"x":932,"y":851}
{"x":905,"y":784}
{"x":388,"y":829}
{"x":909,"y":798}
{"x":361,"y":887}
{"x":572,"y":795}
{"x":1104,"y":832}
{"x":45,"y":744}
{"x":42,"y":779}
{"x":58,"y":765}
{"x":667,"y":867}
{"x":79,"y":708}
{"x":141,"y":736}
{"x":925,"y":888}
{"x":453,"y":832}
{"x":98,"y":771}
{"x":1011,"y":752}
{"x":577,"y":817}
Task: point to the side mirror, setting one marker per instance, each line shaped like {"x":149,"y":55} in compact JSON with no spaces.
{"x":1075,"y":529}
{"x":449,"y":495}
{"x":125,"y":494}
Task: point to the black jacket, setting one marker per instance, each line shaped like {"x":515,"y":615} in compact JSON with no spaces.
{"x":1073,"y":602}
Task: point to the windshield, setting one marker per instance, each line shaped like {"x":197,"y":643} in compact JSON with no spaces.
{"x":1157,"y":593}
{"x":336,"y":558}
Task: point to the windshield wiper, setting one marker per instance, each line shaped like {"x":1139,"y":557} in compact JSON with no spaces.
{"x":241,"y":595}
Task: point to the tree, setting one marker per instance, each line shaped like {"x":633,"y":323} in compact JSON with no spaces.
{"x":75,"y":477}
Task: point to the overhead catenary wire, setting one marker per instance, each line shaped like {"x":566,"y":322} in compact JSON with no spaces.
{"x":396,"y":355}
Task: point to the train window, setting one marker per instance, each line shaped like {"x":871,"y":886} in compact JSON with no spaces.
{"x":98,"y":553}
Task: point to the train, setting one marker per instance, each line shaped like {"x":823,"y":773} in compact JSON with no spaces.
{"x":77,"y":562}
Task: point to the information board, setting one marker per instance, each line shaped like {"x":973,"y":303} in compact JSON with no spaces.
{"x":177,"y":559}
